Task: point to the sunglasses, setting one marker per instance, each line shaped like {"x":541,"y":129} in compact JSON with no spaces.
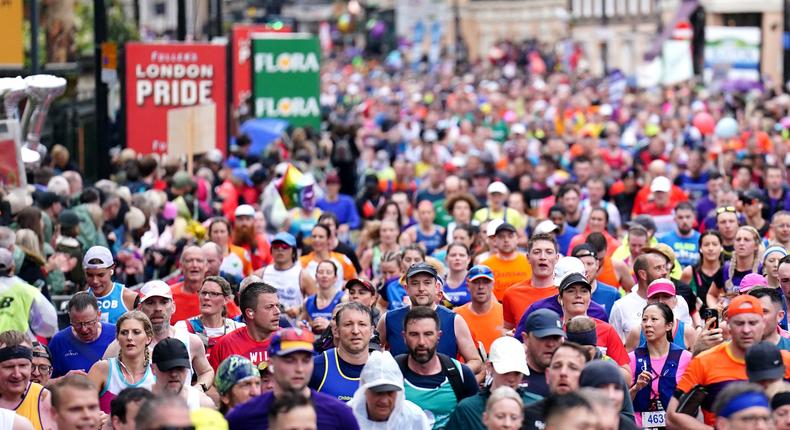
{"x":723,"y":209}
{"x":280,"y":246}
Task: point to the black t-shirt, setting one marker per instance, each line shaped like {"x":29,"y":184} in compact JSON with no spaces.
{"x":536,"y":383}
{"x":533,"y":415}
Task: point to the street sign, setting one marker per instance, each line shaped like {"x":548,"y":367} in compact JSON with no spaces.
{"x":166,"y":76}
{"x":286,"y":80}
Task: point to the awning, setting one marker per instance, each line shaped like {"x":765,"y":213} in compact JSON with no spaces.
{"x":686,"y":8}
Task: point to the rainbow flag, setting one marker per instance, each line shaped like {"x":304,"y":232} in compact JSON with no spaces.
{"x":291,"y":186}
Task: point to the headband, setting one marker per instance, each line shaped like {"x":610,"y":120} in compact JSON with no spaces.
{"x":744,"y":401}
{"x":775,"y":248}
{"x":583,"y":338}
{"x":14,"y":352}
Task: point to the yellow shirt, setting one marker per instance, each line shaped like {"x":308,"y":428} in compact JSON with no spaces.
{"x":29,"y":406}
{"x":509,"y":215}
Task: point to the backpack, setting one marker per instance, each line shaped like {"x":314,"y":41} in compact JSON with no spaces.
{"x":448,"y":369}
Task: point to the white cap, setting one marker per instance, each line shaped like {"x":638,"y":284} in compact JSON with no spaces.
{"x":214,"y":155}
{"x":508,"y":355}
{"x":660,"y":183}
{"x":565,"y":266}
{"x":518,"y":128}
{"x":546,"y":226}
{"x":244,"y":210}
{"x":492,"y":226}
{"x":98,"y":253}
{"x":155,"y":288}
{"x":498,"y":187}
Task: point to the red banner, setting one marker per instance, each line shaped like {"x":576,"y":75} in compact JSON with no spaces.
{"x":161,"y":77}
{"x":242,"y":67}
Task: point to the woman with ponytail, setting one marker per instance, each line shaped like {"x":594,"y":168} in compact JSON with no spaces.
{"x":657,"y":367}
{"x":745,"y":260}
{"x":132,"y":367}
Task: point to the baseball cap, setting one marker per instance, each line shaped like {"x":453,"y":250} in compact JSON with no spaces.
{"x":572,"y":279}
{"x":492,"y":226}
{"x":46,"y":199}
{"x":170,"y":353}
{"x":498,"y":187}
{"x":750,"y":196}
{"x":545,"y":226}
{"x":423,"y":267}
{"x":6,"y":259}
{"x":544,"y":323}
{"x":507,"y":355}
{"x":182,"y":179}
{"x":752,"y":280}
{"x":763,"y":362}
{"x":68,"y":218}
{"x":242,"y":174}
{"x":244,"y":210}
{"x":290,"y":340}
{"x":565,"y":266}
{"x":518,"y":128}
{"x":332,"y":178}
{"x":97,"y":253}
{"x":286,"y":238}
{"x":208,"y":419}
{"x":363,"y":282}
{"x":661,"y":285}
{"x":155,"y":288}
{"x":233,"y":370}
{"x":505,"y":227}
{"x":480,"y":271}
{"x":661,"y":184}
{"x":584,"y":250}
{"x":744,"y":304}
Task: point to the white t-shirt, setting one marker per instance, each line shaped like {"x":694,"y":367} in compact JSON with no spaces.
{"x":627,"y":313}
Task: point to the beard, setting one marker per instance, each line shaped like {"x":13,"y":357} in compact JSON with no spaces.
{"x":423,"y":356}
{"x":244,"y":236}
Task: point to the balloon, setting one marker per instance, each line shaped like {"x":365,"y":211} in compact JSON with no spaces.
{"x":726,"y":128}
{"x":378,"y":29}
{"x":344,"y":23}
{"x":296,"y":189}
{"x":704,"y":123}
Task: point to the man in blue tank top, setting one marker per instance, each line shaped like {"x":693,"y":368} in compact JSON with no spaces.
{"x":114,"y":299}
{"x":336,"y":371}
{"x":83,"y":343}
{"x":422,"y":285}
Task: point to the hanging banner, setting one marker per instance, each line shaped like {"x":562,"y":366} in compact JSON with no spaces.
{"x":286,"y":81}
{"x":732,"y":57}
{"x":161,"y":77}
{"x":12,"y":50}
{"x":242,"y":67}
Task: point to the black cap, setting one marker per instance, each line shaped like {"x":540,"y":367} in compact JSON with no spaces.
{"x":505,"y":227}
{"x":544,"y":323}
{"x":418,"y":268}
{"x":68,"y":218}
{"x":170,"y":353}
{"x":764,"y":362}
{"x":584,"y":250}
{"x":46,"y":199}
{"x":751,"y":196}
{"x":573,"y":279}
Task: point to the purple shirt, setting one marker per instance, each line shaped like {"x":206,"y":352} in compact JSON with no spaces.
{"x":594,"y":311}
{"x":331,"y":413}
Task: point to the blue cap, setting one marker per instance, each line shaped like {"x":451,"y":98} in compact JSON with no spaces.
{"x":286,"y":238}
{"x":480,"y":271}
{"x":241,"y":173}
{"x":290,"y":340}
{"x":544,"y":323}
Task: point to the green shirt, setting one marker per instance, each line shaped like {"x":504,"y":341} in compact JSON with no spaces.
{"x":469,"y":413}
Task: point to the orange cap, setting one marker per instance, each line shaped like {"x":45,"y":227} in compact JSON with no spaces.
{"x":744,"y":304}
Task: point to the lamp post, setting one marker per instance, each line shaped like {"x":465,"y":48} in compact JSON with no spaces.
{"x":605,"y":41}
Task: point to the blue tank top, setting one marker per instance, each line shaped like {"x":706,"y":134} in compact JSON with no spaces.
{"x":447,"y":343}
{"x":111,"y":305}
{"x":667,"y":378}
{"x":430,"y":242}
{"x":679,"y":339}
{"x":457,"y":296}
{"x":312,"y":309}
{"x":335,"y":382}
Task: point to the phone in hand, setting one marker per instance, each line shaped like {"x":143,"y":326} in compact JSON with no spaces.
{"x":711,"y":318}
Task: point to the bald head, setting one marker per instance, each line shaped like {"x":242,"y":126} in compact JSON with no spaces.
{"x":657,"y":168}
{"x":213,"y":255}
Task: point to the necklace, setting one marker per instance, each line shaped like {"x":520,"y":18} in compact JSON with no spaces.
{"x":132,"y":374}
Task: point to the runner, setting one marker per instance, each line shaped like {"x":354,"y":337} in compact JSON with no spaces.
{"x":114,"y":299}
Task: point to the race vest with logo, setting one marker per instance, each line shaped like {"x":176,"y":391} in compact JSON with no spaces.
{"x":334,"y":382}
{"x":111,"y":304}
{"x":16,"y":298}
{"x":437,"y":403}
{"x":653,"y":408}
{"x":29,"y":408}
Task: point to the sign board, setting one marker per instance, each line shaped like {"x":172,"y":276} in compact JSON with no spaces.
{"x":286,"y":80}
{"x":732,"y":56}
{"x":162,"y":77}
{"x":11,"y":167}
{"x":12,"y":49}
{"x":109,"y":62}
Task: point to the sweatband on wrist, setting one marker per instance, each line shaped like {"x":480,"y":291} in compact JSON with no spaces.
{"x":14,"y":352}
{"x":744,"y":401}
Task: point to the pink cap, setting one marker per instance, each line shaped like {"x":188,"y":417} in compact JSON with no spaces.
{"x":752,"y":280}
{"x":661,"y":285}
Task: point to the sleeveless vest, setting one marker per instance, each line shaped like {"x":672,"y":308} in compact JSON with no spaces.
{"x":667,"y":380}
{"x":111,"y":305}
{"x":29,"y":406}
{"x":679,"y":339}
{"x":334,"y":382}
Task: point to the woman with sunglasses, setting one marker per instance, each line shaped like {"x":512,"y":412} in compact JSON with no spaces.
{"x":214,"y":295}
{"x":745,"y":260}
{"x":657,"y":367}
{"x":708,"y":272}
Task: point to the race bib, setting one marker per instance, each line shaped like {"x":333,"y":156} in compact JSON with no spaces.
{"x":654,"y":419}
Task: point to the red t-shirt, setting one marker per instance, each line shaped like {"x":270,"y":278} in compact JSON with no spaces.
{"x":609,"y":342}
{"x":188,"y":305}
{"x":239,"y":342}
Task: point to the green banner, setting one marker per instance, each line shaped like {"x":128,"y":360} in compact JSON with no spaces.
{"x":286,"y":81}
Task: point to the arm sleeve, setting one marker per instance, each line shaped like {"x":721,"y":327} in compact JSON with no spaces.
{"x":43,"y":317}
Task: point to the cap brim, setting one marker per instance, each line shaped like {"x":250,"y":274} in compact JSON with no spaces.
{"x":156,"y":295}
{"x":489,"y":277}
{"x":546,"y":332}
{"x":767,"y":374}
{"x":384,"y":388}
{"x":96,"y":266}
{"x":173,"y":364}
{"x":507,"y":367}
{"x":282,"y":241}
{"x":422,"y":271}
{"x":293,"y":350}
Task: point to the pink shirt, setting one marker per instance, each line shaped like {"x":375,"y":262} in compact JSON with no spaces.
{"x":658,"y":364}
